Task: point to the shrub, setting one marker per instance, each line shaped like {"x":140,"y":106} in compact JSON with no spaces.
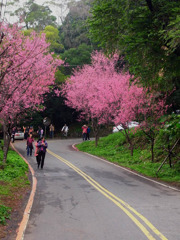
{"x":4,"y":214}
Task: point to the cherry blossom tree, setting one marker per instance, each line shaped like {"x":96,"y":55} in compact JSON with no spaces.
{"x":97,"y":90}
{"x":27,"y":71}
{"x":104,"y":96}
{"x":147,"y":107}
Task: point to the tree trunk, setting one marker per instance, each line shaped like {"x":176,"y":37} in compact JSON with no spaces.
{"x":129,"y":141}
{"x":96,"y":139}
{"x":95,"y":128}
{"x":150,"y":6}
{"x":151,"y":136}
{"x":152,"y":149}
{"x":7,"y":139}
{"x":169,"y":151}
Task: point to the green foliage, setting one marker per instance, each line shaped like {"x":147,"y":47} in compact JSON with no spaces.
{"x":34,"y":119}
{"x":4,"y":214}
{"x":172,"y":128}
{"x":78,"y":56}
{"x":172,"y":33}
{"x":168,"y":136}
{"x":74,"y":29}
{"x":13,"y":175}
{"x":147,"y":35}
{"x":115,"y":149}
{"x":35,"y":16}
{"x":27,"y":32}
{"x":105,"y":27}
{"x":60,"y":77}
{"x":15,"y":167}
{"x":52,"y":36}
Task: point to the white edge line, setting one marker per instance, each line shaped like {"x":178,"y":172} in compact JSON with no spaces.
{"x":151,"y":180}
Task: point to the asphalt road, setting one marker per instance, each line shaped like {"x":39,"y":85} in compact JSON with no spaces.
{"x":80,"y":197}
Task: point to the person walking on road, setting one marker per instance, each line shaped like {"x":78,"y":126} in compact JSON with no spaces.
{"x":51,"y":129}
{"x":84,"y":132}
{"x":26,"y":134}
{"x":13,"y":134}
{"x":88,"y":132}
{"x":65,"y":130}
{"x":37,"y":150}
{"x":41,"y":133}
{"x":30,"y":141}
{"x":42,"y":145}
{"x":31,"y":130}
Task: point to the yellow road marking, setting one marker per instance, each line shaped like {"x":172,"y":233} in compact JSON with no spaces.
{"x":116,"y":201}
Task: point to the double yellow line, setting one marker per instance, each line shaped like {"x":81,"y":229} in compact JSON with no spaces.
{"x":125,"y":207}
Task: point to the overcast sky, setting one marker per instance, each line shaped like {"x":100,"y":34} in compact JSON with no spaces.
{"x":59,"y":8}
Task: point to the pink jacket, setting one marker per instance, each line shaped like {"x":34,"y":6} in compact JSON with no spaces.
{"x":36,"y":148}
{"x":84,"y":129}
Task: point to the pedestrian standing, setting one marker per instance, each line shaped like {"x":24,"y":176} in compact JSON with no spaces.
{"x":84,"y":132}
{"x":88,"y":133}
{"x":24,"y":130}
{"x":31,"y":130}
{"x":51,"y":130}
{"x":26,"y":135}
{"x":42,"y":145}
{"x":13,"y":134}
{"x":30,"y":141}
{"x":65,"y":130}
{"x":39,"y":132}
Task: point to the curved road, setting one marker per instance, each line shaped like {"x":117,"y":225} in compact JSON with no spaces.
{"x":80,"y":197}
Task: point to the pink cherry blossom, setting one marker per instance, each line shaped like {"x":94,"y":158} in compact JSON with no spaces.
{"x":27,"y":71}
{"x":106,"y":96}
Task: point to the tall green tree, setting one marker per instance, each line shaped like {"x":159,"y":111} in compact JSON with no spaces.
{"x":74,"y":29}
{"x":78,"y":56}
{"x":35,"y":16}
{"x":52,"y":36}
{"x":146,"y":33}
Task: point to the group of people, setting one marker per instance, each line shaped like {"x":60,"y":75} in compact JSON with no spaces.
{"x":64,"y":130}
{"x":27,"y":131}
{"x":40,"y":149}
{"x":41,"y":144}
{"x":40,"y":131}
{"x":85,"y":132}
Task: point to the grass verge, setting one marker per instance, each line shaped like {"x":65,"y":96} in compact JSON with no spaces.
{"x":115,"y":149}
{"x":14,"y":188}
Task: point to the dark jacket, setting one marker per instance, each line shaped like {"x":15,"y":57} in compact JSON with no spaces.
{"x":42,"y":147}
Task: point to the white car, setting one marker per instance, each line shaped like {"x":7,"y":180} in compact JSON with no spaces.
{"x":19,"y":135}
{"x":120,"y":128}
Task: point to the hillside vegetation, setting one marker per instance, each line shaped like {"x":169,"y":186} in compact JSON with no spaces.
{"x":14,"y":188}
{"x":115,"y":148}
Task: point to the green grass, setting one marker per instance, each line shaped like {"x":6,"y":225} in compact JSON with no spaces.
{"x":4,"y":214}
{"x":115,"y":149}
{"x":13,"y":178}
{"x":15,"y":167}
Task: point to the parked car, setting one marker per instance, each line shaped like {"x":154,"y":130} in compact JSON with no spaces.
{"x":19,"y":135}
{"x":120,"y":128}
